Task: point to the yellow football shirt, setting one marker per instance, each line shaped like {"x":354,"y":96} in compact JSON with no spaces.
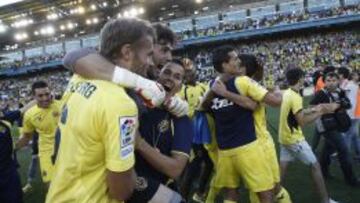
{"x":71,"y":87}
{"x":44,"y":122}
{"x":97,"y":126}
{"x":250,"y":88}
{"x":192,"y":95}
{"x":292,"y":103}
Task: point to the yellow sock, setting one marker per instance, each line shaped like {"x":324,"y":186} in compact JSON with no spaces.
{"x":229,"y":201}
{"x":253,"y":197}
{"x":283,"y":196}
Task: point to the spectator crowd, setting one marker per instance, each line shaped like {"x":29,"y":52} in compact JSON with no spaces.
{"x":307,"y":52}
{"x":267,"y":21}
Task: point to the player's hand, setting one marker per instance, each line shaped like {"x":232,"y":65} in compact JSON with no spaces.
{"x":176,"y":106}
{"x":219,"y":88}
{"x":151,"y":92}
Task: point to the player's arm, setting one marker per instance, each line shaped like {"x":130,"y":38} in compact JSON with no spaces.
{"x":305,"y":116}
{"x":118,"y":145}
{"x":121,"y":184}
{"x":273,"y":99}
{"x":172,"y":166}
{"x":88,"y":63}
{"x":257,"y":92}
{"x":205,"y":102}
{"x":28,"y":131}
{"x":23,"y":141}
{"x":219,"y":88}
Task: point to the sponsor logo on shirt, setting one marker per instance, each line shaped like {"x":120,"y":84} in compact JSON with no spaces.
{"x":221,"y":103}
{"x":127,"y":130}
{"x":163,"y":126}
{"x":127,"y":151}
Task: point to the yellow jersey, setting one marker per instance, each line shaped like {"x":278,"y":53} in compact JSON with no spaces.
{"x":97,"y":126}
{"x":75,"y":79}
{"x":252,"y":89}
{"x":289,"y":131}
{"x":43,"y":121}
{"x":192,"y":95}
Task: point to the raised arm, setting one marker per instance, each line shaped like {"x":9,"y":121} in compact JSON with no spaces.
{"x":89,"y":64}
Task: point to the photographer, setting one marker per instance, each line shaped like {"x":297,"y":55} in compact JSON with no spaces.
{"x":331,"y":126}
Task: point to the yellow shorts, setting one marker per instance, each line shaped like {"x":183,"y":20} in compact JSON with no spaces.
{"x":246,"y":163}
{"x":271,"y":157}
{"x":46,"y":167}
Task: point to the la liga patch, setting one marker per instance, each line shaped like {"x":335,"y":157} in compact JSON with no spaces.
{"x":127,"y":130}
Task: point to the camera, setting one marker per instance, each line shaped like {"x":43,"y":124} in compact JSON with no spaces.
{"x":344,"y":103}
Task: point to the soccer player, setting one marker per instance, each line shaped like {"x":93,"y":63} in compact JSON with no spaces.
{"x":89,"y":64}
{"x":192,"y":90}
{"x":98,"y":123}
{"x":252,"y":72}
{"x":41,"y":118}
{"x":163,"y":149}
{"x":240,"y":155}
{"x":201,"y":165}
{"x":292,"y":141}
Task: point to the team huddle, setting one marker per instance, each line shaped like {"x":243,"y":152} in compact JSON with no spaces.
{"x":124,"y":129}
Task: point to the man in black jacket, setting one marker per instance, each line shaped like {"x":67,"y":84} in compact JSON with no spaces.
{"x":334,"y":141}
{"x":10,"y":184}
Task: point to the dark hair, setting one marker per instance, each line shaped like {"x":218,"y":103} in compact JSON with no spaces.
{"x":37,"y":85}
{"x":252,"y":66}
{"x":221,"y":55}
{"x":328,"y":69}
{"x":119,"y":32}
{"x":344,"y":72}
{"x":164,"y":34}
{"x":330,"y":75}
{"x":293,"y":75}
{"x":177,"y":61}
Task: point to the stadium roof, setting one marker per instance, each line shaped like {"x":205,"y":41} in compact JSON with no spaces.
{"x":26,"y":21}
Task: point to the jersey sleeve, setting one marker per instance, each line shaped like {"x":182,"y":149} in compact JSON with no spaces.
{"x":183,"y":135}
{"x":248,"y":87}
{"x":119,"y":137}
{"x":28,"y":126}
{"x":297,"y":104}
